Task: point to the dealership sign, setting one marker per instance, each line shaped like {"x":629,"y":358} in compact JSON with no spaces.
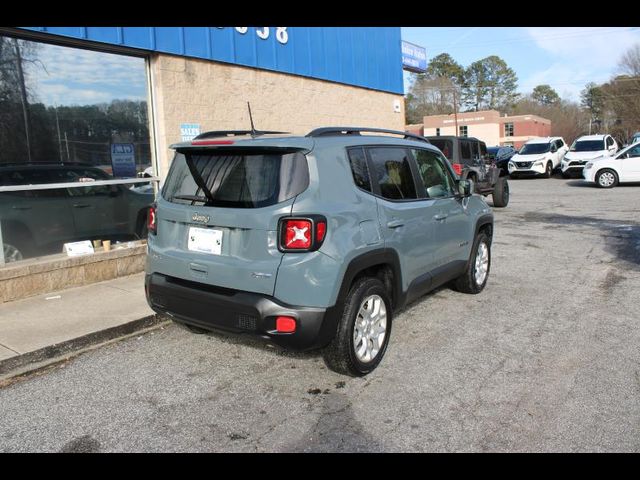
{"x":123,"y":160}
{"x":414,"y":58}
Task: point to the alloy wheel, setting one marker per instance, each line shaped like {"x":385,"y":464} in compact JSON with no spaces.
{"x":370,"y":328}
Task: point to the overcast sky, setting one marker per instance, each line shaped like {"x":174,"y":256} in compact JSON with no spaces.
{"x":564,"y":57}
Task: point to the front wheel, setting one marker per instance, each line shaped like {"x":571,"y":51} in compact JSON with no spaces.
{"x":501,"y":193}
{"x":548,"y":171}
{"x":606,"y":178}
{"x":363,"y":331}
{"x":475,"y":276}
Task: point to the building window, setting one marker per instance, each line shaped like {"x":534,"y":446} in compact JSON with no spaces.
{"x":71,"y":116}
{"x":508,"y":129}
{"x":463,"y":131}
{"x":437,"y":132}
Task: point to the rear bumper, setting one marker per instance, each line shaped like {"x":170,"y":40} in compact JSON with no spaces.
{"x":216,"y":308}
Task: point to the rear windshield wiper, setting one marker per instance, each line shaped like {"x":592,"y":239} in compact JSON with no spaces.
{"x":193,"y":198}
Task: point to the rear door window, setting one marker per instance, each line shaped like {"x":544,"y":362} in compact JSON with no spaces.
{"x":236,"y":178}
{"x":391,"y":170}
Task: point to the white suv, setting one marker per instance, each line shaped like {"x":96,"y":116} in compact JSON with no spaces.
{"x":585,"y":149}
{"x":539,"y":156}
{"x":607,"y":172}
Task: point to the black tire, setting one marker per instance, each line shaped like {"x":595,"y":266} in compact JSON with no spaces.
{"x":501,"y":193}
{"x":601,"y":175}
{"x":466,"y":283}
{"x":340,"y":355}
{"x":548,"y":171}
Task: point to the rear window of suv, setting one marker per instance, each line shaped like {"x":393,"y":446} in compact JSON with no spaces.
{"x":235,"y":178}
{"x":445,"y":146}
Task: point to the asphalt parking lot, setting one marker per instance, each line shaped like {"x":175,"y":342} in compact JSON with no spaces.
{"x":547,"y":358}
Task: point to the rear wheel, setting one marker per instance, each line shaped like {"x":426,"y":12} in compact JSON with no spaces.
{"x":17,"y":243}
{"x":606,"y":178}
{"x":11,"y":253}
{"x":501,"y":193}
{"x":363,"y":331}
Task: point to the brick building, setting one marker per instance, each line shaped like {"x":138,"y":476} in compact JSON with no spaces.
{"x":487,"y":125}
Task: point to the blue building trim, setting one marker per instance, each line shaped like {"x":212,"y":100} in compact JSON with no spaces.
{"x":369,"y":57}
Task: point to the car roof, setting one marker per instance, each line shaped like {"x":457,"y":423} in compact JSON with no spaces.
{"x":592,"y":137}
{"x":543,"y":139}
{"x":450,"y":137}
{"x":345,"y":136}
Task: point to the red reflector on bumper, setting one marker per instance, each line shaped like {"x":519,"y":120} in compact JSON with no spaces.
{"x":285,"y":325}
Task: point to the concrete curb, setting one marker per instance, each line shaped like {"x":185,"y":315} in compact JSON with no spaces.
{"x":31,"y":361}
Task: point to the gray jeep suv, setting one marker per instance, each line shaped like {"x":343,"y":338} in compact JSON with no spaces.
{"x":314,"y":241}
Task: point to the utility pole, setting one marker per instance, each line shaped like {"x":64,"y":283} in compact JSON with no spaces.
{"x":455,"y":109}
{"x":23,"y":97}
{"x":59,"y":139}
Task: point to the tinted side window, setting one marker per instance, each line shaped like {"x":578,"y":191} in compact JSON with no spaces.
{"x":465,"y":151}
{"x":483,"y":148}
{"x":634,"y":152}
{"x":359,"y":168}
{"x":609,"y":141}
{"x":392,"y":171}
{"x":437,"y":181}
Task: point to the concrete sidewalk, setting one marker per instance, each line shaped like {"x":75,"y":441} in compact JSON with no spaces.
{"x":39,"y":329}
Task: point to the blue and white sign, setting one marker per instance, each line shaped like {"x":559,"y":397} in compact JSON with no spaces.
{"x":188,"y":131}
{"x":123,"y":160}
{"x":414,"y":58}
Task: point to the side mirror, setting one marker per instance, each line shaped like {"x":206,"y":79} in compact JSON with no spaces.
{"x":465,"y":188}
{"x":554,"y":149}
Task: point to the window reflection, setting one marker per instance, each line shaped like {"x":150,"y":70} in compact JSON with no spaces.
{"x":70,"y":115}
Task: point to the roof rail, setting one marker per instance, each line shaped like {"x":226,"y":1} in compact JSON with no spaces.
{"x":233,"y":133}
{"x":328,"y":131}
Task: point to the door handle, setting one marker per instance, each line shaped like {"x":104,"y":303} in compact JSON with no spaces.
{"x":395,"y":223}
{"x":440,"y":216}
{"x":81,"y":205}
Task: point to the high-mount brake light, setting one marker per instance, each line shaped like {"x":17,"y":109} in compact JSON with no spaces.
{"x":212,"y":142}
{"x":457,"y":167}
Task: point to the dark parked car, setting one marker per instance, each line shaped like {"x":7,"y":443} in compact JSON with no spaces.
{"x":39,"y":222}
{"x":501,"y":157}
{"x":469,"y":159}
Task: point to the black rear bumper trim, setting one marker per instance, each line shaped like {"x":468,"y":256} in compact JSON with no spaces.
{"x":237,"y":311}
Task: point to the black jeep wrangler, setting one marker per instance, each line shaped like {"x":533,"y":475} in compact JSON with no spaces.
{"x":469,"y":159}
